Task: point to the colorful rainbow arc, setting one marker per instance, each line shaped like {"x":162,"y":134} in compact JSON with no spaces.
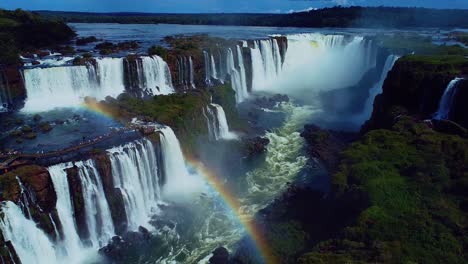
{"x":249,"y":224}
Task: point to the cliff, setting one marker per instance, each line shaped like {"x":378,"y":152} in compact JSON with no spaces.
{"x":415,"y":86}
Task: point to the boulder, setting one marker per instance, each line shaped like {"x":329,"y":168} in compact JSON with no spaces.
{"x":220,"y":256}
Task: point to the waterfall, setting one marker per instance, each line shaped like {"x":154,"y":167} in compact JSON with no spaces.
{"x":240,"y":59}
{"x":238,"y":83}
{"x":191,"y":70}
{"x":135,"y":173}
{"x":207,"y":61}
{"x":218,"y":127}
{"x":71,"y":241}
{"x":309,"y":61}
{"x":213,"y":71}
{"x":110,"y":75}
{"x":31,"y":244}
{"x":446,"y":101}
{"x":97,"y":212}
{"x":67,"y":86}
{"x":375,"y":90}
{"x":180,"y":184}
{"x":156,"y":75}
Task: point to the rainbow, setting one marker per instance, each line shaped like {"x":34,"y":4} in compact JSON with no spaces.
{"x":250,"y":226}
{"x":230,"y":200}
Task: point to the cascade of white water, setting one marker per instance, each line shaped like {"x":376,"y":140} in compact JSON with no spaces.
{"x":276,"y":56}
{"x":309,"y":59}
{"x":71,"y":241}
{"x":222,"y":127}
{"x":31,"y":244}
{"x":62,"y":86}
{"x":157,"y":75}
{"x":446,"y":101}
{"x":67,"y":86}
{"x":110,"y":72}
{"x":24,"y":198}
{"x":97,"y":212}
{"x":240,"y":59}
{"x":180,"y":184}
{"x":266,"y":49}
{"x":207,"y":60}
{"x":135,"y":173}
{"x":191,"y":72}
{"x":258,"y":70}
{"x":375,"y":90}
{"x":213,"y":71}
{"x":236,"y":79}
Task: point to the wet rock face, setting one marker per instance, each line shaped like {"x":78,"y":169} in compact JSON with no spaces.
{"x":271,"y":101}
{"x":255,"y":146}
{"x":120,"y":246}
{"x":36,"y":179}
{"x":415,"y":86}
{"x":113,"y":195}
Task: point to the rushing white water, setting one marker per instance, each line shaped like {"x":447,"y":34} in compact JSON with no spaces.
{"x":375,"y":90}
{"x":217,"y":123}
{"x":97,"y":212}
{"x":110,"y":76}
{"x":71,"y":241}
{"x":135,"y":173}
{"x":180,"y":184}
{"x":213,"y":71}
{"x":446,"y":101}
{"x":266,"y":63}
{"x":238,"y":79}
{"x":207,"y":62}
{"x":157,"y":76}
{"x":67,"y":86}
{"x":191,"y":72}
{"x":31,"y":244}
{"x":309,"y":62}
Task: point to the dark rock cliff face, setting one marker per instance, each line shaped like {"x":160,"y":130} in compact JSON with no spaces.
{"x":459,"y":111}
{"x":37,"y":200}
{"x":113,"y":195}
{"x":12,"y":85}
{"x":415,"y":86}
{"x":76,"y":192}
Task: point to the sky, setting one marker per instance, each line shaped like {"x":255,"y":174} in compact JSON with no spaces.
{"x":214,"y":6}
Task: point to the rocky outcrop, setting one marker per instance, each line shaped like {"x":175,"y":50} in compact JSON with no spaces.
{"x":113,"y":195}
{"x":38,"y":194}
{"x":326,"y":145}
{"x":255,"y":146}
{"x":76,"y":192}
{"x":415,"y":86}
{"x":12,"y":86}
{"x":220,"y":256}
{"x":121,"y":248}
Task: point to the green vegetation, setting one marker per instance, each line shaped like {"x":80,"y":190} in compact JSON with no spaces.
{"x":22,"y":31}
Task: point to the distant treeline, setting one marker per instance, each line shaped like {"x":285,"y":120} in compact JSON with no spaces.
{"x":394,"y":17}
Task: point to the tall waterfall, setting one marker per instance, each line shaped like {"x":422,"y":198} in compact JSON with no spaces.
{"x":135,"y":173}
{"x":375,"y":90}
{"x":309,"y":61}
{"x":186,"y":72}
{"x":97,"y":212}
{"x":67,"y":86}
{"x":266,"y":63}
{"x":238,"y":79}
{"x":180,"y":184}
{"x":72,"y":245}
{"x":156,"y":75}
{"x":31,"y":244}
{"x":218,"y":127}
{"x":446,"y":101}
